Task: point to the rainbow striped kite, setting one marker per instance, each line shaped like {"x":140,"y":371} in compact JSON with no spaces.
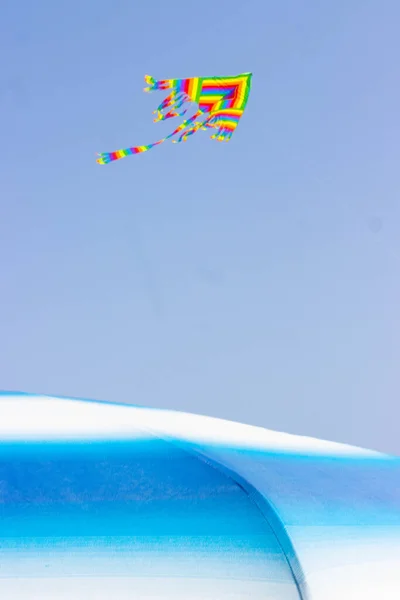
{"x":221,"y":102}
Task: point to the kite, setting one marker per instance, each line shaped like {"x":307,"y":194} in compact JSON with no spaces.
{"x":221,"y":102}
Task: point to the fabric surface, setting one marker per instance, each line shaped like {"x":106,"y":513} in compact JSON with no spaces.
{"x":101,"y":501}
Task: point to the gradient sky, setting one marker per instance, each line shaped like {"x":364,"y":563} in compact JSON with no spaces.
{"x":257,"y":280}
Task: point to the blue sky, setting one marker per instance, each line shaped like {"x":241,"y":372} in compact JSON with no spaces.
{"x":256,"y":280}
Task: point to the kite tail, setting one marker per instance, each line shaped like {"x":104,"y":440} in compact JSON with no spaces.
{"x":106,"y":157}
{"x":225,"y":122}
{"x":187,"y":128}
{"x":169,"y":107}
{"x":158,"y":84}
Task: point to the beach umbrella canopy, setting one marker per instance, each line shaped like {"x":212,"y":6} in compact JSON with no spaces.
{"x":104,"y":501}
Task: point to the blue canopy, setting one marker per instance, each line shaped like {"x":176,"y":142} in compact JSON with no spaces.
{"x":108,"y":501}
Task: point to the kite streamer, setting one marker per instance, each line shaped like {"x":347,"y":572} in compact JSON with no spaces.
{"x":220,"y":101}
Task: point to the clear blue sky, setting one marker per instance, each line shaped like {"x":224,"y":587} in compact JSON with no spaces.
{"x":256,"y":280}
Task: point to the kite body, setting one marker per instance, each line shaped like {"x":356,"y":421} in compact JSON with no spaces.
{"x":220,"y":101}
